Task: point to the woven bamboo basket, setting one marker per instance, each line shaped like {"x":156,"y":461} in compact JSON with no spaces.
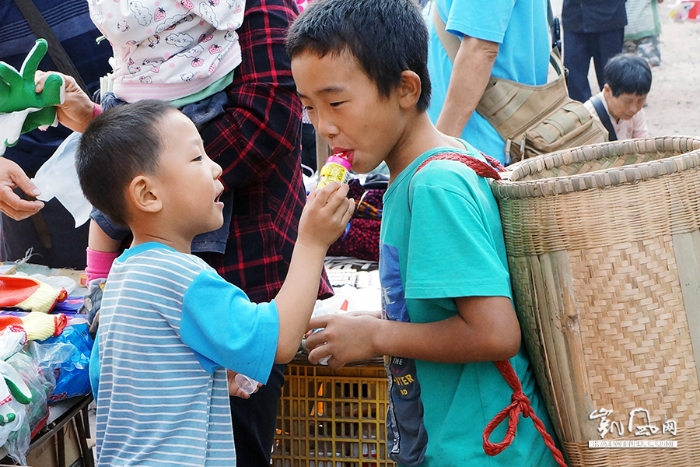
{"x":603,"y":244}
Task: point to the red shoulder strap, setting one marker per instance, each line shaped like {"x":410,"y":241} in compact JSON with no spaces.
{"x":488,"y":169}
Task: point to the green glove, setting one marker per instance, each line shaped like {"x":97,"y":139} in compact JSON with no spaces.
{"x":42,"y":117}
{"x":17,"y":90}
{"x":15,"y":384}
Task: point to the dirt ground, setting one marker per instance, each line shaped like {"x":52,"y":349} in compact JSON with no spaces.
{"x":674,"y":101}
{"x":673,"y":105}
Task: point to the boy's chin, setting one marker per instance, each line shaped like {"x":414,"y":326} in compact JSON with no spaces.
{"x":214,"y":225}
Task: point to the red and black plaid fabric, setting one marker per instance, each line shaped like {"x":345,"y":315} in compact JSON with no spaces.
{"x":257,"y":142}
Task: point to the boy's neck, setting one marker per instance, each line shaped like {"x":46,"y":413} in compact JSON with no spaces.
{"x":420,"y":136}
{"x":145,"y":232}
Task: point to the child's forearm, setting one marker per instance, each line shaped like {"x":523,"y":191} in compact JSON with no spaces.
{"x":448,"y":341}
{"x":297,"y":297}
{"x":98,"y":240}
{"x":486,"y":329}
{"x":489,"y":333}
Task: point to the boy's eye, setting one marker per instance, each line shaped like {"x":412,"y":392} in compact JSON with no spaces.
{"x":197,"y":159}
{"x":308,"y":108}
{"x":335,"y":104}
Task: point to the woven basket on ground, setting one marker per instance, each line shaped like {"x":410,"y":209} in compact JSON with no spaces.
{"x":603,"y":244}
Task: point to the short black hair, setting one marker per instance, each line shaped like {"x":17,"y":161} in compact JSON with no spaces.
{"x":628,"y":73}
{"x":118,"y":145}
{"x":386,"y":37}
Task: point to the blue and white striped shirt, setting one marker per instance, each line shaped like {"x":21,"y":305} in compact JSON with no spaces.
{"x":169,"y":326}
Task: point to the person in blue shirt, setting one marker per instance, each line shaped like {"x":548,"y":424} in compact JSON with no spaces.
{"x":504,"y":38}
{"x":360,"y":67}
{"x":170,"y":326}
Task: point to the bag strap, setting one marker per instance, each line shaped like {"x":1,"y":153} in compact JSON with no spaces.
{"x":42,"y":29}
{"x":604,"y":116}
{"x":520,"y":403}
{"x":488,"y":169}
{"x":449,"y":42}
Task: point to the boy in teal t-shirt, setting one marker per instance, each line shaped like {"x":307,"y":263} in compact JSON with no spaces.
{"x":361,"y":72}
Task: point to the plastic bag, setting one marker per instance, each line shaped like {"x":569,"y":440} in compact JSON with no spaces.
{"x":57,"y":178}
{"x":67,"y":356}
{"x":41,"y":384}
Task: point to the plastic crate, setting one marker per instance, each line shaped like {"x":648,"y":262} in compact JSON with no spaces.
{"x":332,"y":418}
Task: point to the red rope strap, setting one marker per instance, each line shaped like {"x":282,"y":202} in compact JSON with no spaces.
{"x":520,"y":403}
{"x":488,"y":169}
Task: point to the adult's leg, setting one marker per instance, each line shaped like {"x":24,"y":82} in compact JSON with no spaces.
{"x":18,"y":237}
{"x":254,"y":421}
{"x":607,"y":44}
{"x":51,"y":235}
{"x":577,"y":59}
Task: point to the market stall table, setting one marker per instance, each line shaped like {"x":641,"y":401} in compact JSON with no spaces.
{"x":64,"y":440}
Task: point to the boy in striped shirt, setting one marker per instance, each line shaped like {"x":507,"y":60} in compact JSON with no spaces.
{"x":169,"y":325}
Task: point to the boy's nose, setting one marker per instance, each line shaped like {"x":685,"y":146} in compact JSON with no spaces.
{"x":216,"y":170}
{"x":326,"y":127}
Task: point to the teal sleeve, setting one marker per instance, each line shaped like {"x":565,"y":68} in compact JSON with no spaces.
{"x":482,"y":20}
{"x":225,"y":329}
{"x":454,"y":249}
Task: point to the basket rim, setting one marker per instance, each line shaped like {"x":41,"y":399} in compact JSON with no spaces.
{"x":511,"y":187}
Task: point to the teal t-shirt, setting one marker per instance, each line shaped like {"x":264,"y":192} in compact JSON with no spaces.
{"x":520,"y":29}
{"x":441,"y":238}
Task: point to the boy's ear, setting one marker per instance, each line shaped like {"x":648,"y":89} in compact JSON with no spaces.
{"x":142,"y":195}
{"x":410,"y":89}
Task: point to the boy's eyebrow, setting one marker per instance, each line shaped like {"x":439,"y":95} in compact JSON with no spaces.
{"x":326,"y":90}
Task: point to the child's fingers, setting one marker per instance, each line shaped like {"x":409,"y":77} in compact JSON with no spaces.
{"x":331,"y":195}
{"x":338,"y":198}
{"x":240,"y":393}
{"x":314,"y":340}
{"x":343,"y":212}
{"x":319,"y":353}
{"x":316,"y":322}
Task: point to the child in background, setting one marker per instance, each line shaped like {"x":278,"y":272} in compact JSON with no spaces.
{"x":619,"y":106}
{"x":169,"y":324}
{"x":360,"y":69}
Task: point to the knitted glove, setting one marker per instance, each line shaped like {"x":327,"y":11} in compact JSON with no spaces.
{"x":29,"y":294}
{"x":40,"y":326}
